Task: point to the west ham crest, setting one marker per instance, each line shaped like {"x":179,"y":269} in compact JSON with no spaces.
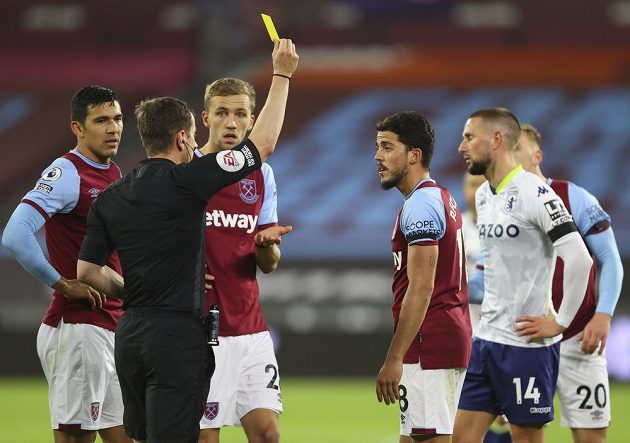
{"x":211,"y":410}
{"x":95,"y":410}
{"x":249,"y":193}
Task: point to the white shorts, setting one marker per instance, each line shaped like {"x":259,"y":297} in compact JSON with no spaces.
{"x":246,"y":378}
{"x":83,"y":388}
{"x":583,"y":388}
{"x":428,"y":399}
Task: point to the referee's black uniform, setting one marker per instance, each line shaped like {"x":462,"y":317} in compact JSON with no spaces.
{"x":154,"y":219}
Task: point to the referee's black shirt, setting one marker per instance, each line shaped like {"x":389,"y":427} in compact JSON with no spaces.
{"x":154,"y":217}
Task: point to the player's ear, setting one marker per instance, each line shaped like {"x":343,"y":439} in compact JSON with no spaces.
{"x":204,"y":119}
{"x":497,"y":139}
{"x":76,"y":128}
{"x":252,"y":120}
{"x":416,"y":156}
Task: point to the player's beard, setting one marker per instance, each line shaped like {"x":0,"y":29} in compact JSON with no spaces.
{"x":394,"y":180}
{"x":479,"y":167}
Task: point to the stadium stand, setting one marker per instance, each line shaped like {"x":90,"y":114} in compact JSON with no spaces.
{"x":562,"y":66}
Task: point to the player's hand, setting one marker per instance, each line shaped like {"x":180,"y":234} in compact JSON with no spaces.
{"x":285,"y":58}
{"x":387,"y":382}
{"x":271,"y":236}
{"x":595,"y":333}
{"x":75,"y":290}
{"x":538,"y":327}
{"x":209,"y":279}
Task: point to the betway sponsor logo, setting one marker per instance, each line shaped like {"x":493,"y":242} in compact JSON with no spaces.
{"x":219,"y":219}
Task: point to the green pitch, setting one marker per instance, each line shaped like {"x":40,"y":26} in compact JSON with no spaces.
{"x":316,"y":410}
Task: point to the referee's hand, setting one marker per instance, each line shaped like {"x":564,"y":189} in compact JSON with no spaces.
{"x":75,"y":290}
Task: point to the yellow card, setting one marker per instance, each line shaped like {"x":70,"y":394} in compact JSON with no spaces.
{"x":271,"y":29}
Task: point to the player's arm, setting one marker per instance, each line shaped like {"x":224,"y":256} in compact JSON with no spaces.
{"x":267,"y":240}
{"x":19,"y":238}
{"x":267,"y":244}
{"x":594,"y":226}
{"x":553,"y":217}
{"x":421,"y":266}
{"x":577,"y":264}
{"x":610,"y":271}
{"x":267,"y":128}
{"x":95,"y":250}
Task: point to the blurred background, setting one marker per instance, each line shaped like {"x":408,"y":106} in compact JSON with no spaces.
{"x":562,"y":65}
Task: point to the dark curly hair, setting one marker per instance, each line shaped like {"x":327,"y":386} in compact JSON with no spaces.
{"x":413,"y":130}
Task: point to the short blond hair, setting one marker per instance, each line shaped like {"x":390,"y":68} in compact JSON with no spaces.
{"x":229,"y":86}
{"x":532,"y":133}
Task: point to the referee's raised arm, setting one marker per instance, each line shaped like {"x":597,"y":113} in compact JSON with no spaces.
{"x":267,"y":128}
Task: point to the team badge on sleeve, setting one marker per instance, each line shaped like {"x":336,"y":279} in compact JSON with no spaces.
{"x":52,"y":174}
{"x":231,"y":161}
{"x":211,"y":410}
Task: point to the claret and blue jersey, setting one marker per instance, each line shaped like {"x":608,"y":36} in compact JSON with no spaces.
{"x":430,"y":216}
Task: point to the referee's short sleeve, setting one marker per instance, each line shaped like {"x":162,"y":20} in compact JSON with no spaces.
{"x":207,"y":175}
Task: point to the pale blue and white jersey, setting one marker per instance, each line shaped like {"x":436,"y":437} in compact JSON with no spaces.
{"x":519,"y":224}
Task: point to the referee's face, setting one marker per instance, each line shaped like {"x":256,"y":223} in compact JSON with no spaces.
{"x":99,"y":137}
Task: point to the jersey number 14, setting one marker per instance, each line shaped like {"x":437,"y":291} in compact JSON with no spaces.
{"x":531,"y":393}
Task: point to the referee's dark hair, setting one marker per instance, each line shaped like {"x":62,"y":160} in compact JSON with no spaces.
{"x":87,"y":97}
{"x":413,"y":130}
{"x":159,"y":119}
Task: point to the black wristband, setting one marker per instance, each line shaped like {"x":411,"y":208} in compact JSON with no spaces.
{"x":282,"y":75}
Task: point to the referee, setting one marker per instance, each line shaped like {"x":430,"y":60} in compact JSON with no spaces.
{"x":154,"y":219}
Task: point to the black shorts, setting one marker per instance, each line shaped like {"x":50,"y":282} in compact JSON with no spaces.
{"x":164,"y":366}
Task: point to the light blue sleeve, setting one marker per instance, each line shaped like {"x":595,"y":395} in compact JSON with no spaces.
{"x":19,"y":239}
{"x":423,"y":216}
{"x":585,"y":208}
{"x":269,"y":209}
{"x":604,"y":248}
{"x":57,"y":190}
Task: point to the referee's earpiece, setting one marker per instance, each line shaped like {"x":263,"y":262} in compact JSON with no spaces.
{"x":179,"y":148}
